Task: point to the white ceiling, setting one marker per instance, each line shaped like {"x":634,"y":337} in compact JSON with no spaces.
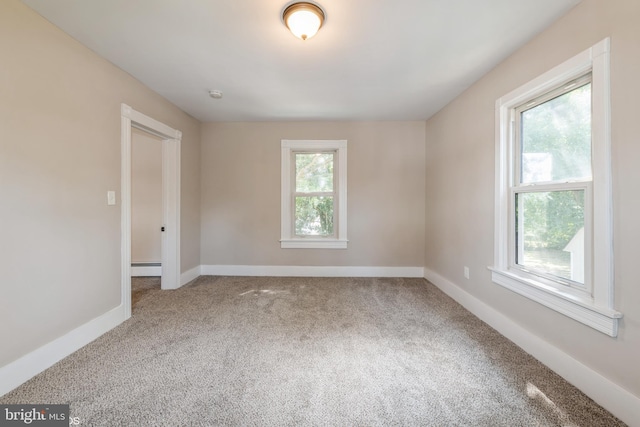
{"x":372,"y":60}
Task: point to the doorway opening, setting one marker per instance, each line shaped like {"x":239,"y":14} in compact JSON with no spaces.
{"x":170,"y":140}
{"x":146,"y":204}
{"x":146,"y":214}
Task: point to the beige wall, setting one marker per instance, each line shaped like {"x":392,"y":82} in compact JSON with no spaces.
{"x":460,"y":185}
{"x":59,"y":154}
{"x":241,"y":193}
{"x":146,"y":197}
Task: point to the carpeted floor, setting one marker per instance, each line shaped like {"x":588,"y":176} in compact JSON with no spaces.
{"x":140,"y":286}
{"x":243,"y":351}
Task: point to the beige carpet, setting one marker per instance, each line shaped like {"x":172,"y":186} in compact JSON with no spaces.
{"x":242,"y":351}
{"x":140,"y":286}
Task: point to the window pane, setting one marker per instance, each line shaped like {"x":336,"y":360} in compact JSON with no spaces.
{"x":550,"y":233}
{"x":314,"y":215}
{"x":556,"y":138}
{"x":314,"y":172}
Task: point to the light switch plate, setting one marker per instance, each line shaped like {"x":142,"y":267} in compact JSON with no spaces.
{"x":111,"y":198}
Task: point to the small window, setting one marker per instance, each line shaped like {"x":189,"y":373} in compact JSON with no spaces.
{"x":553,"y":232}
{"x":314,"y":194}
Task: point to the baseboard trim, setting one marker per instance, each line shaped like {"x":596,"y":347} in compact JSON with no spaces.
{"x":189,"y":275}
{"x":31,"y":364}
{"x":310,"y":271}
{"x":143,"y":271}
{"x":605,"y":392}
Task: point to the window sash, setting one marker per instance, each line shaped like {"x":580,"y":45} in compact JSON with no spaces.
{"x":516,"y":121}
{"x":294,"y":153}
{"x":333,"y":235}
{"x":518,"y":187}
{"x":295,"y":194}
{"x":579,"y":289}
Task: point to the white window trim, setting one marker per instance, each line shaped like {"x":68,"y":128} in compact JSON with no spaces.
{"x":594,"y":308}
{"x":287,"y":238}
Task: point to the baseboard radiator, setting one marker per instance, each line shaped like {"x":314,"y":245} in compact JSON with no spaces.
{"x":139,"y":269}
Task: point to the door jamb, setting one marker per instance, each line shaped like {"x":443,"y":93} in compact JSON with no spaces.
{"x":171,"y":142}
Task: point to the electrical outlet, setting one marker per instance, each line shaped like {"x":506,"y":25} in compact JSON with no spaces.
{"x":466,"y":272}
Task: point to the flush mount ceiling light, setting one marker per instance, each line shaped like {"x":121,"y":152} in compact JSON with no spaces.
{"x":303,"y":19}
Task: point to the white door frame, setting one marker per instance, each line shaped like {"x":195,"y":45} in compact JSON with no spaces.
{"x":171,"y":141}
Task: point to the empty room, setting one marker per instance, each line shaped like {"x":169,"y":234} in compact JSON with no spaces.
{"x":366,"y":212}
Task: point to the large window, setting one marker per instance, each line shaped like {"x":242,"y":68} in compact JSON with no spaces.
{"x":314,"y":194}
{"x":553,"y":179}
{"x":553,"y":199}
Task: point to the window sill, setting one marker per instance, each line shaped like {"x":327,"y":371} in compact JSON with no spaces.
{"x":313,"y":244}
{"x":600,"y":318}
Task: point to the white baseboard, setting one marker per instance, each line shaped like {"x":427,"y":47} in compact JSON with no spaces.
{"x":309,"y":271}
{"x":189,"y":275}
{"x":31,"y":364}
{"x":144,"y":271}
{"x":605,"y":392}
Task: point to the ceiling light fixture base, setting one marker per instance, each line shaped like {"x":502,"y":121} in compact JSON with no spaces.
{"x":303,"y":19}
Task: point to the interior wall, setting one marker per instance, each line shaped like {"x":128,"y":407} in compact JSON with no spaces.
{"x":241,"y":193}
{"x":59,"y":155}
{"x":146,"y":197}
{"x":460,"y":173}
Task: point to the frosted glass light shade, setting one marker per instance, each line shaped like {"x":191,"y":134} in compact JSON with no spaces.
{"x":303,"y":19}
